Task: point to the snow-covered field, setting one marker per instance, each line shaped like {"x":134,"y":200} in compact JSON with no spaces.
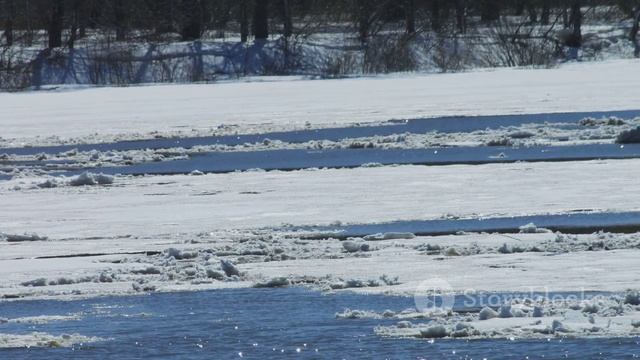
{"x":94,"y":235}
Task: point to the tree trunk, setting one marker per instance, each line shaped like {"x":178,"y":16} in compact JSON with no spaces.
{"x":633,"y":35}
{"x":56,"y":22}
{"x":461,"y":16}
{"x":120,"y":19}
{"x":533,"y":13}
{"x":435,"y":15}
{"x":286,"y":18}
{"x":546,"y":12}
{"x":244,"y":21}
{"x":576,"y":23}
{"x":364,"y":14}
{"x":75,"y":19}
{"x":261,"y":19}
{"x":192,"y":26}
{"x":490,"y":10}
{"x":520,"y":5}
{"x":10,"y":14}
{"x":410,"y":16}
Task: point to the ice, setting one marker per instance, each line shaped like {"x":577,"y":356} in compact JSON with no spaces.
{"x":87,"y":178}
{"x":273,"y":283}
{"x":229,"y":268}
{"x":389,"y":236}
{"x":487,"y":313}
{"x":22,"y":237}
{"x":37,"y":339}
{"x":632,"y":298}
{"x":505,"y":311}
{"x":531,"y":228}
{"x":629,"y":136}
{"x":354,"y":246}
{"x":537,"y":312}
{"x":436,"y":331}
{"x":180,"y":254}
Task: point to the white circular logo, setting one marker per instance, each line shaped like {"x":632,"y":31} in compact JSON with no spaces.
{"x":434,"y":295}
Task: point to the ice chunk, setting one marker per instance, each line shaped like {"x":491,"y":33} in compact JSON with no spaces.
{"x":87,"y":178}
{"x":275,"y":282}
{"x":631,"y":136}
{"x":487,"y":313}
{"x":354,"y":246}
{"x":531,"y":228}
{"x":632,"y":298}
{"x":23,"y":237}
{"x":434,"y":332}
{"x":538,"y":311}
{"x":229,"y":268}
{"x":505,"y":311}
{"x":390,"y":236}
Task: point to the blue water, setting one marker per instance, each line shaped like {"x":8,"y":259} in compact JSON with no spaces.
{"x":266,"y":324}
{"x":416,"y":126}
{"x":222,"y":162}
{"x":586,"y":222}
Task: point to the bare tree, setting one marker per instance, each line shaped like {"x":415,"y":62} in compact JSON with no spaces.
{"x":633,"y":34}
{"x":364,"y":12}
{"x":56,"y":23}
{"x":260,"y":22}
{"x":120,"y":19}
{"x":192,"y":24}
{"x":9,"y":14}
{"x":545,"y":13}
{"x":285,"y":9}
{"x":461,"y":16}
{"x":489,"y":10}
{"x":244,"y":20}
{"x":410,"y":16}
{"x":576,"y":24}
{"x":76,"y":10}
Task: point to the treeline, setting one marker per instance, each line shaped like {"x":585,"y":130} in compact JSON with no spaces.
{"x":66,"y":21}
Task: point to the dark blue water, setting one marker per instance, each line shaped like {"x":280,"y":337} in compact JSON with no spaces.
{"x":574,"y":223}
{"x":416,"y":126}
{"x":221,"y":162}
{"x":266,"y":324}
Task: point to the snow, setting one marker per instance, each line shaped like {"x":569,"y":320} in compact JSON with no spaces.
{"x":252,"y":106}
{"x":184,"y":232}
{"x":147,"y":206}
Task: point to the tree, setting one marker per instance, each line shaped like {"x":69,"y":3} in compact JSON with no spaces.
{"x":56,"y":23}
{"x":633,"y":34}
{"x":192,"y":22}
{"x":489,"y":10}
{"x":120,"y":19}
{"x":285,"y":9}
{"x":461,"y":16}
{"x":575,"y":20}
{"x":76,"y":9}
{"x":244,"y":20}
{"x":435,"y":11}
{"x":545,"y":14}
{"x":410,"y":16}
{"x":260,"y":24}
{"x":363,"y":18}
{"x":10,"y":15}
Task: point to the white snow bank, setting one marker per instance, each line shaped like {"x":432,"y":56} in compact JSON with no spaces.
{"x":169,"y":108}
